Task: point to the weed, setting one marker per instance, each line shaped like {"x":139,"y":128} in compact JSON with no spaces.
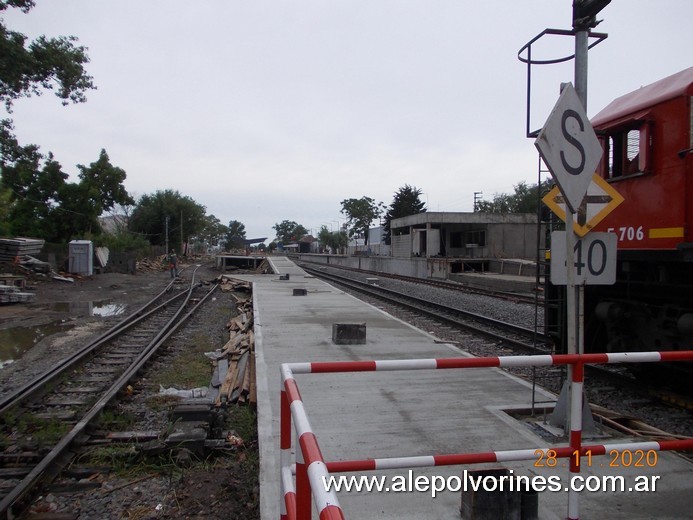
{"x":117,"y":456}
{"x":43,"y":432}
{"x":244,"y":421}
{"x":115,"y":420}
{"x":190,"y":369}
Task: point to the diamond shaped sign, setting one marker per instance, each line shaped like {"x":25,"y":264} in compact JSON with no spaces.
{"x":601,"y":199}
{"x":569,"y":147}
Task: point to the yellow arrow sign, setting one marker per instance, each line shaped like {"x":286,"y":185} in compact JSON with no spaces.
{"x":601,"y":199}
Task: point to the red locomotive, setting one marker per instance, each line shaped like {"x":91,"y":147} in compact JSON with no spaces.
{"x":647,"y":137}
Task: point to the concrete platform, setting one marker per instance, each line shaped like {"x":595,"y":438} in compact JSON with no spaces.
{"x":392,"y":414}
{"x":497,"y":282}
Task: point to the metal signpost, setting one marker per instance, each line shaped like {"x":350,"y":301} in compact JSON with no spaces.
{"x":570,"y":148}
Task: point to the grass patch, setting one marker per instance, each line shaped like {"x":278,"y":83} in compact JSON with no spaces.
{"x":114,"y":420}
{"x":42,"y":432}
{"x":120,"y":457}
{"x":190,"y":369}
{"x":244,"y":421}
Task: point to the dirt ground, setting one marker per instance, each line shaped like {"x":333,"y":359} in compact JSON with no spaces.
{"x":223,"y":488}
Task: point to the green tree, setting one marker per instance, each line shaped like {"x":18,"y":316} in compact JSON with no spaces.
{"x":360,"y":213}
{"x":526,"y":199}
{"x":185,"y":217}
{"x":43,"y":64}
{"x":324,"y":236}
{"x":5,"y":205}
{"x":289,"y":231}
{"x":213,"y":233}
{"x":235,"y":237}
{"x":335,"y":240}
{"x":406,"y":202}
{"x":100,"y":188}
{"x":32,"y":195}
{"x":30,"y":68}
{"x":43,"y":204}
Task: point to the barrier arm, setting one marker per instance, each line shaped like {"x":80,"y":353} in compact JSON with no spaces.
{"x":312,"y":471}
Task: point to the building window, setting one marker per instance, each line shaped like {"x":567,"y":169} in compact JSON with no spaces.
{"x":476,"y":237}
{"x":456,"y":239}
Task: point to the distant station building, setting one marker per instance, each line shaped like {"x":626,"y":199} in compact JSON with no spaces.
{"x":229,"y":261}
{"x":465,"y":235}
{"x":446,"y":245}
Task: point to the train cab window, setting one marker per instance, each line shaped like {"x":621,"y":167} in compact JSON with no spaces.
{"x":628,"y":151}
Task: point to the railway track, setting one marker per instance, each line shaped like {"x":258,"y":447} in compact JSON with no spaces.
{"x":509,"y":334}
{"x":46,"y":419}
{"x":521,"y":339}
{"x":443,"y":284}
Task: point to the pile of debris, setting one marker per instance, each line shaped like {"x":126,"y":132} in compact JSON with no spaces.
{"x":264,"y":268}
{"x":159,"y":263}
{"x":227,"y":284}
{"x":17,"y":253}
{"x":12,"y":294}
{"x":13,"y":248}
{"x":234,"y":375}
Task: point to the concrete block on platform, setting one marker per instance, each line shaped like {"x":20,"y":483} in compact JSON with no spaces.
{"x":349,"y":333}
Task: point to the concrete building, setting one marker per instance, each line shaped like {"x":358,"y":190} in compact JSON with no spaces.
{"x":451,"y":245}
{"x":465,"y":235}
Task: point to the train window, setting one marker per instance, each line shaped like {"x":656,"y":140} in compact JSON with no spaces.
{"x":627,"y":151}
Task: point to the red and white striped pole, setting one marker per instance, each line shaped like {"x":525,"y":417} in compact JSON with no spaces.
{"x":287,"y":506}
{"x":311,"y":471}
{"x":499,"y":361}
{"x":575,"y":436}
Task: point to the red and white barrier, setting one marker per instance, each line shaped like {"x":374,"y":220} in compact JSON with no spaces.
{"x":312,"y":470}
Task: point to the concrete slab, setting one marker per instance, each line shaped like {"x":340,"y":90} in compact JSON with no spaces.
{"x":497,"y":282}
{"x":392,"y":414}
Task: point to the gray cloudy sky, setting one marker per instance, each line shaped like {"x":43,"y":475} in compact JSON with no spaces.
{"x":264,"y":111}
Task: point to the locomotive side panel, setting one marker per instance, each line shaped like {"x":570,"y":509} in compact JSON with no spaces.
{"x":647,"y":140}
{"x":641,"y":160}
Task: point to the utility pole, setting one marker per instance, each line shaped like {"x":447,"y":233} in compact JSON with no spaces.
{"x":166,"y":238}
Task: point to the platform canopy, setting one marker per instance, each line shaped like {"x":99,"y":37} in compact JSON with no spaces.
{"x":251,"y":241}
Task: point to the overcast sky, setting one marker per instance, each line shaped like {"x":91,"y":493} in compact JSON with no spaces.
{"x":264,"y":111}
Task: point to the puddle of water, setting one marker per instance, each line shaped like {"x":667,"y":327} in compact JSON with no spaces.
{"x":103,"y":308}
{"x":18,"y":340}
{"x":15,"y":342}
{"x":110,"y":309}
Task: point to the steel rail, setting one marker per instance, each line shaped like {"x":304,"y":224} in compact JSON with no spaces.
{"x":435,"y":310}
{"x":50,"y":459}
{"x":30,"y":388}
{"x":444,"y":284}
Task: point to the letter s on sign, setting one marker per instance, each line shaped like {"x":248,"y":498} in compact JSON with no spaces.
{"x":570,"y":169}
